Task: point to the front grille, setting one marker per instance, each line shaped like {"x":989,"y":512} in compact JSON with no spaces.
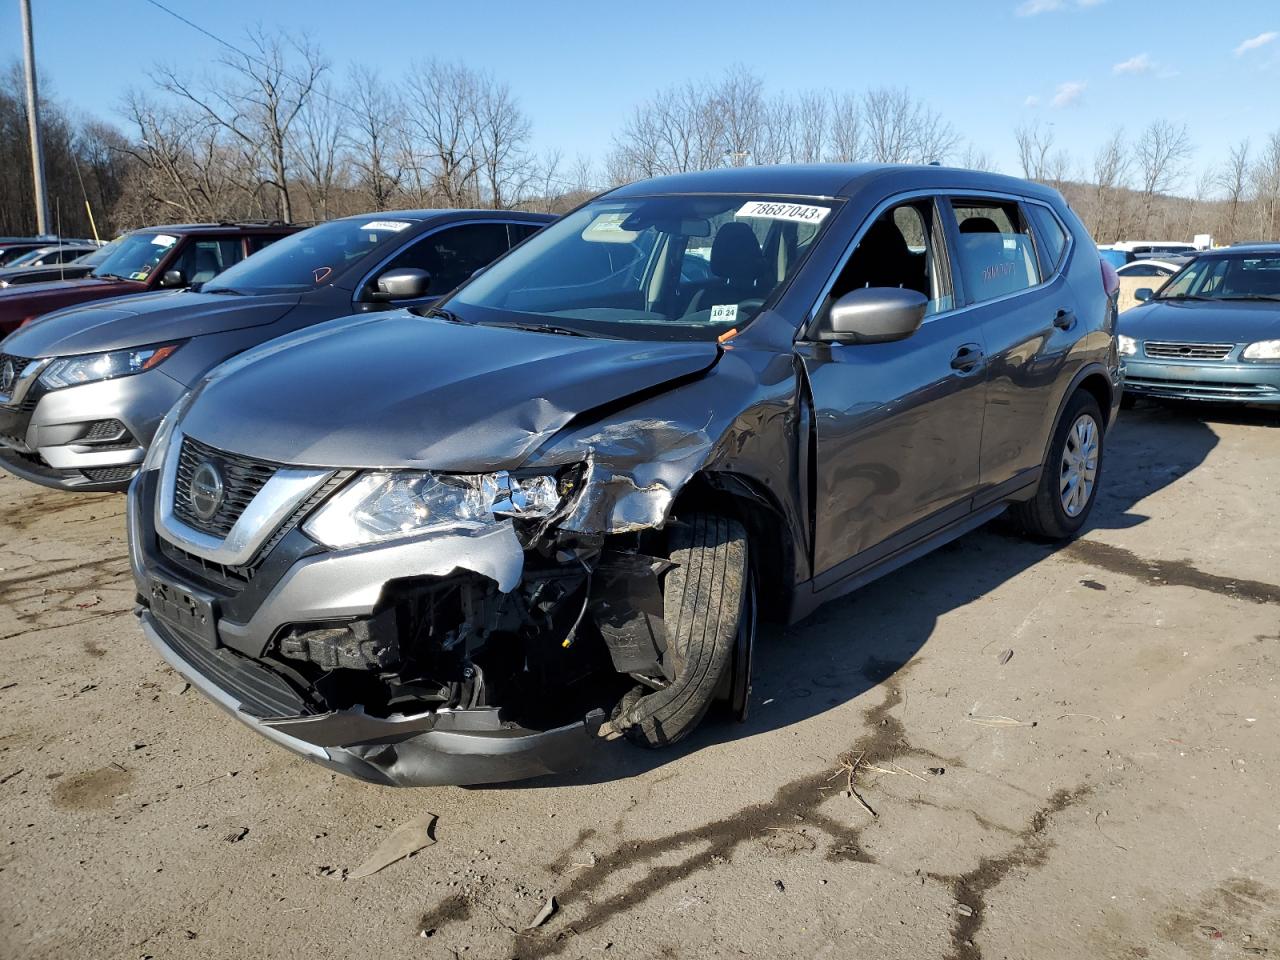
{"x":242,"y":478}
{"x":1173,"y":350}
{"x":19,"y":364}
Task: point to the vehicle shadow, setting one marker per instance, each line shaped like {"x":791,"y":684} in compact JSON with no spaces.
{"x":855,"y":643}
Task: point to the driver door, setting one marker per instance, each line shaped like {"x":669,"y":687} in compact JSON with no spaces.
{"x":449,"y":255}
{"x":899,"y":425}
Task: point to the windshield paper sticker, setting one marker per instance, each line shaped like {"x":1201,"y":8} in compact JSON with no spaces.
{"x":164,"y":240}
{"x":724,"y":313}
{"x":795,"y":212}
{"x":607,"y":228}
{"x":395,"y":226}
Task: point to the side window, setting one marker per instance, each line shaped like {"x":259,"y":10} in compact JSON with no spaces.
{"x":995,"y":255}
{"x":1052,"y":237}
{"x":453,"y":254}
{"x":257,"y":241}
{"x":1143,"y":270}
{"x":202,"y":260}
{"x":902,"y":248}
{"x":519,"y":232}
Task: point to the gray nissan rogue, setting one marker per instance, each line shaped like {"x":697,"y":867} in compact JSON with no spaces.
{"x":466,"y":543}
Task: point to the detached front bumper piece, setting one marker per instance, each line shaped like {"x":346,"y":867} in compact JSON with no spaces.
{"x":436,"y":748}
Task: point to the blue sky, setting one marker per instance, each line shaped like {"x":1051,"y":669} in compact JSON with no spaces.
{"x":1086,"y":66}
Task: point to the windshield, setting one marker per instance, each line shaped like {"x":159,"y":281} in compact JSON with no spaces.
{"x":97,"y":256}
{"x":651,"y":268}
{"x":1239,"y":277}
{"x":28,"y":257}
{"x":311,"y":258}
{"x":135,"y":256}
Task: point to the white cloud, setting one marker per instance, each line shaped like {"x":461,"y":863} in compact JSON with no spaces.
{"x":1031,"y":101}
{"x":1253,"y":43}
{"x":1029,"y":8}
{"x":1142,"y":63}
{"x":1068,"y":93}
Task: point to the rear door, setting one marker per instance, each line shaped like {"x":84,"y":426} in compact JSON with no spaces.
{"x":1010,"y":278}
{"x":898,"y":425}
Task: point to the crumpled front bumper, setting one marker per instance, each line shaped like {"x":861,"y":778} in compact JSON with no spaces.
{"x":444,"y":747}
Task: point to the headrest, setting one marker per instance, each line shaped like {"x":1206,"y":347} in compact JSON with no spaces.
{"x":979,"y":225}
{"x":735,"y":251}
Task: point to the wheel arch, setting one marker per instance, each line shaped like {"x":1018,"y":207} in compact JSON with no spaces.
{"x":770,"y":538}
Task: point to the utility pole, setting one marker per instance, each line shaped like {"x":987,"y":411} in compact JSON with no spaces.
{"x":33,"y":121}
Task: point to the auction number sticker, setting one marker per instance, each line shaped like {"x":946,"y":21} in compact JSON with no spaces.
{"x":724,"y":313}
{"x":395,"y":226}
{"x":164,"y":240}
{"x":795,"y":212}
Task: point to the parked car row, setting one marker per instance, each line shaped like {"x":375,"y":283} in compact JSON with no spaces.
{"x":457,"y":496}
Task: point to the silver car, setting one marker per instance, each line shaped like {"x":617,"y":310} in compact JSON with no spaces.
{"x":82,"y":390}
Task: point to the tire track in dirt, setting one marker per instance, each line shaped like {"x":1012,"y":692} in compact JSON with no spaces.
{"x":794,"y":804}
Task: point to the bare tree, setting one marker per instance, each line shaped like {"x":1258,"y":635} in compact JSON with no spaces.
{"x":1162,"y":153}
{"x":441,"y":132}
{"x":901,"y":129}
{"x":1266,"y":188}
{"x":975,"y":159}
{"x":848,"y":141}
{"x":503,"y":146}
{"x":257,"y":102}
{"x":1233,"y":180}
{"x":1111,"y":166}
{"x":372,"y":136}
{"x":1035,"y":145}
{"x":317,"y":150}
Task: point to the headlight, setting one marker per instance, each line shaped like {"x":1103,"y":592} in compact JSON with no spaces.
{"x":1262,"y":350}
{"x":383,"y":506}
{"x":71,"y":371}
{"x":1128,"y":346}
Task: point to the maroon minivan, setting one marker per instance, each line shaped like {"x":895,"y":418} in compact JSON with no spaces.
{"x":153,"y":258}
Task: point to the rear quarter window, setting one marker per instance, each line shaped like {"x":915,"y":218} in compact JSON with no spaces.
{"x":1052,"y":237}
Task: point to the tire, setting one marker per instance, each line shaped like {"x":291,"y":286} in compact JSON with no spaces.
{"x":704,"y":609}
{"x":1050,"y":514}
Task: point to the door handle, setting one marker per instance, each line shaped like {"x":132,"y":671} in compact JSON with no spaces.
{"x":967,"y":357}
{"x":1064,"y":319}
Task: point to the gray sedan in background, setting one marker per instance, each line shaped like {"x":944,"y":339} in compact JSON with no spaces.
{"x":1212,"y":332}
{"x":82,"y":390}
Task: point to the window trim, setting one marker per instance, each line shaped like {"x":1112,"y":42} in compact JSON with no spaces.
{"x":430,"y":232}
{"x":937,"y":194}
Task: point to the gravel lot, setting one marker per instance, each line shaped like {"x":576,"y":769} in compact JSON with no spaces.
{"x":1109,"y":791}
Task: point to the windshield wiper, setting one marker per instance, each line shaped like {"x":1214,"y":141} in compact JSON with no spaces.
{"x":1252,"y":296}
{"x":444,"y":314}
{"x":1186,"y":296}
{"x":107,"y":276}
{"x":230,"y":290}
{"x":543,"y":328}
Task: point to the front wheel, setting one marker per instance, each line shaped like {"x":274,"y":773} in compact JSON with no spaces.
{"x":708,"y":607}
{"x":1069,"y":482}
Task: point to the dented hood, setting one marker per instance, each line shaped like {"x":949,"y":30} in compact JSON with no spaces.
{"x":399,"y":390}
{"x":144,"y":320}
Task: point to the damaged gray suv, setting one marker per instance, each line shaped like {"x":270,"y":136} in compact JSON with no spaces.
{"x":468,"y":543}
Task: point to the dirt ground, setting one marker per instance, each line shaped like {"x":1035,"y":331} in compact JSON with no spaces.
{"x":1108,"y":791}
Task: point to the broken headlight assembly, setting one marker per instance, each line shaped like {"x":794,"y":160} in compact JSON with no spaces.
{"x":386,"y":505}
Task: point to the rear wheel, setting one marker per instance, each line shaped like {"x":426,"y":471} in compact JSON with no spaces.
{"x":709,"y":612}
{"x":1072,"y":472}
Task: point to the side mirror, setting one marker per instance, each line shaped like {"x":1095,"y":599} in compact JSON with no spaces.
{"x":173,"y":279}
{"x":1143,"y":293}
{"x":409,"y":283}
{"x":875,"y":315}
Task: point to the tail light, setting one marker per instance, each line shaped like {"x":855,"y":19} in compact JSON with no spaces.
{"x":1110,"y":279}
